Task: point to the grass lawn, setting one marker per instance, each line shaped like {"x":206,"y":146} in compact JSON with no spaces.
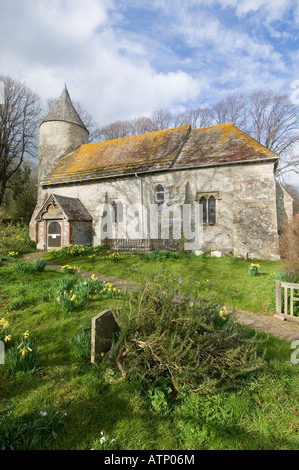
{"x":225,"y":279}
{"x":66,"y":402}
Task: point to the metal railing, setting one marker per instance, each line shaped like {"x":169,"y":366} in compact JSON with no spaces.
{"x":129,"y":245}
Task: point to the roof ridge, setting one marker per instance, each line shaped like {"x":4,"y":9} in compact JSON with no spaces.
{"x":185,"y":126}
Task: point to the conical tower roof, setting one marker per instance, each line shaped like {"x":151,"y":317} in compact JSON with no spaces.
{"x":64,"y":110}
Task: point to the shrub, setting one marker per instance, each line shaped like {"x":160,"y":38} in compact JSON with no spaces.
{"x":195,"y":344}
{"x":289,"y":243}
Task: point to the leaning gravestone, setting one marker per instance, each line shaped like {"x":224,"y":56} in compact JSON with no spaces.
{"x":103,"y":328}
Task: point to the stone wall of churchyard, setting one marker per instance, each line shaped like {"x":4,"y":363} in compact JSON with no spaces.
{"x":246,"y":203}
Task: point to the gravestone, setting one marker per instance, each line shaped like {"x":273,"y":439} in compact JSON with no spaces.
{"x":2,"y":353}
{"x":216,"y":254}
{"x":103,"y":329}
{"x":198,"y":252}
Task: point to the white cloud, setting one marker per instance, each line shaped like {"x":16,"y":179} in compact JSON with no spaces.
{"x":72,"y":41}
{"x":118,"y":71}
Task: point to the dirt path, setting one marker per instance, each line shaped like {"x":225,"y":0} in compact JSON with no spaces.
{"x":118,"y":283}
{"x":282,"y":329}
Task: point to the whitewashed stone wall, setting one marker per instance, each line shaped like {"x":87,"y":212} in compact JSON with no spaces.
{"x":247,"y":219}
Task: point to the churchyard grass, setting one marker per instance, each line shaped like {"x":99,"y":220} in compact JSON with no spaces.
{"x":226,"y":279}
{"x":68,"y":403}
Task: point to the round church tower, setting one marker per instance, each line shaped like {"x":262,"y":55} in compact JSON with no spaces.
{"x":61,"y":132}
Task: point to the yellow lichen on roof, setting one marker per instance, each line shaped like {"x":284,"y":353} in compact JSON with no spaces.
{"x":230,"y":130}
{"x":155,"y":149}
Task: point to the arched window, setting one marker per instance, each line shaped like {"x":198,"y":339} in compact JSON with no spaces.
{"x":203,"y":203}
{"x":159,"y":194}
{"x":212,"y":210}
{"x":114,"y":212}
{"x":117,"y":212}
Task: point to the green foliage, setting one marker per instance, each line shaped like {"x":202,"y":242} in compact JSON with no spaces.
{"x":26,"y":266}
{"x":191,"y":341}
{"x":161,"y":255}
{"x":22,"y":356}
{"x":15,"y":237}
{"x":30,"y":431}
{"x":287,"y":276}
{"x":160,"y":395}
{"x":81,"y":344}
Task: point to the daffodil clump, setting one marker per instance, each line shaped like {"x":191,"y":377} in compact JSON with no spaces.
{"x":113,"y":256}
{"x":78,"y":250}
{"x":223,"y":313}
{"x":4,"y":332}
{"x":67,"y":269}
{"x":21,"y":355}
{"x":253,"y":269}
{"x":109,"y":290}
{"x":76,"y":292}
{"x":13,"y":254}
{"x":66,"y":300}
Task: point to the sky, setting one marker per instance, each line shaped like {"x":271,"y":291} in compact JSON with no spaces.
{"x":123,"y":59}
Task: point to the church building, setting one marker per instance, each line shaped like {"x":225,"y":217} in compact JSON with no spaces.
{"x":228,"y":173}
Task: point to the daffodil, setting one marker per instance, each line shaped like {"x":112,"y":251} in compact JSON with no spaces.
{"x":7,"y":338}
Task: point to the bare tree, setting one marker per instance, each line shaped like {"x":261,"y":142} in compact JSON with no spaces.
{"x":198,"y":117}
{"x":142,"y":126}
{"x":234,"y":108}
{"x":19,"y":117}
{"x":274,"y":120}
{"x":115,"y":130}
{"x":162,"y":119}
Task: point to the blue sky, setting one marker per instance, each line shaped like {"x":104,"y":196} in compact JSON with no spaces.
{"x":125,"y":58}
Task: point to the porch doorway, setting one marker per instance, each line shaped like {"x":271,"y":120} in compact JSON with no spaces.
{"x":53,"y":234}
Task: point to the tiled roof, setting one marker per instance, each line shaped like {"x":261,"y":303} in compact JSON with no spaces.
{"x":145,"y":152}
{"x":71,"y":207}
{"x":225,"y":143}
{"x":168,"y":149}
{"x":64,"y":110}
